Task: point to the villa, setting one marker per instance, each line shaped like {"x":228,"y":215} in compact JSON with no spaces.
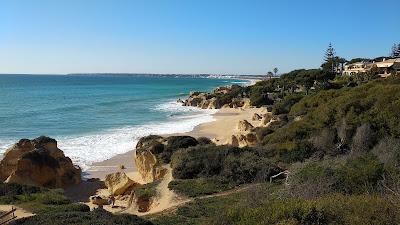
{"x":358,"y":67}
{"x":384,"y":68}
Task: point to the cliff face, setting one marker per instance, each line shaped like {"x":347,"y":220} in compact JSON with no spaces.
{"x":38,"y":162}
{"x":154,"y":151}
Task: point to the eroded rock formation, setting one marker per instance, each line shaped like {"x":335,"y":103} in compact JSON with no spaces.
{"x":244,"y":125}
{"x":154,"y":151}
{"x":38,"y":162}
{"x":118,"y":183}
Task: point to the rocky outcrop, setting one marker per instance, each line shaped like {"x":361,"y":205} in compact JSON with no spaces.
{"x":202,"y":100}
{"x":243,"y":140}
{"x":244,"y":125}
{"x":221,"y":97}
{"x":38,"y":162}
{"x":153,"y":151}
{"x":118,"y":183}
{"x":98,"y":200}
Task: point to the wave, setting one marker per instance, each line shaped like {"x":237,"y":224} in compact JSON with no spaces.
{"x":87,"y":149}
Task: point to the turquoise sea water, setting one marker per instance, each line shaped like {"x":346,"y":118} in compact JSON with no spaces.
{"x":95,"y":117}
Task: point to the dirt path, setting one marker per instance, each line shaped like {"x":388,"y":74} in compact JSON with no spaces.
{"x":19,"y":213}
{"x":188,"y":200}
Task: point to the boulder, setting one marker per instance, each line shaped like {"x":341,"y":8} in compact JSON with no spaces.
{"x":38,"y":162}
{"x":117,"y":183}
{"x":98,"y":200}
{"x":244,"y":125}
{"x":234,"y":141}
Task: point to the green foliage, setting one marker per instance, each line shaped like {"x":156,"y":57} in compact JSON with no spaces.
{"x":200,"y":186}
{"x":82,"y":218}
{"x":232,"y":163}
{"x":17,"y":189}
{"x":376,"y":103}
{"x":236,"y":92}
{"x":259,"y":94}
{"x":333,"y":209}
{"x":357,"y":175}
{"x":147,"y":191}
{"x":284,"y":106}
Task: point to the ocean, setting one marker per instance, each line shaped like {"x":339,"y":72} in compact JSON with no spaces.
{"x":95,"y":117}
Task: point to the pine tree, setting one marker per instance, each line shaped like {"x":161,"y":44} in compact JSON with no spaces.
{"x":394,"y":52}
{"x":398,"y":50}
{"x":329,"y":57}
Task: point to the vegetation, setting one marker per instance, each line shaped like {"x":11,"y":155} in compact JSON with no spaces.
{"x":337,"y":139}
{"x":83,"y":218}
{"x":200,"y":186}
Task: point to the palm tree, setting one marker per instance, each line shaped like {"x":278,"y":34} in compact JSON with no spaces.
{"x":276,"y":70}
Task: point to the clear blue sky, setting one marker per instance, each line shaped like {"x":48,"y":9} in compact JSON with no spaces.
{"x":190,"y":36}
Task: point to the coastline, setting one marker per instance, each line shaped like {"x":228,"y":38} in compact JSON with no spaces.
{"x":220,"y":130}
{"x":222,"y":120}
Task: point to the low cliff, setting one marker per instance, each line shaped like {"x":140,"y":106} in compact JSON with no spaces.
{"x":38,"y":162}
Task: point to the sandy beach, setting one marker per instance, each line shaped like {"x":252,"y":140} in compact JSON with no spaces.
{"x":221,"y":129}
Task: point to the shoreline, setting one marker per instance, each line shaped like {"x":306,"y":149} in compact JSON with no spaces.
{"x":220,"y":130}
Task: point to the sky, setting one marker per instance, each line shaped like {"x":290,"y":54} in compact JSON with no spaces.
{"x":190,"y":36}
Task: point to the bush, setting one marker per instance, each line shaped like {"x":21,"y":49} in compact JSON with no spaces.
{"x":333,"y":209}
{"x":18,"y":189}
{"x":82,"y":218}
{"x":355,"y":176}
{"x":177,"y":142}
{"x":284,"y":106}
{"x":200,"y":186}
{"x":204,"y":141}
{"x":146,"y":191}
{"x":231,"y":163}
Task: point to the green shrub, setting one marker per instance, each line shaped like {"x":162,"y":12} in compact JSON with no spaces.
{"x":333,"y":209}
{"x":82,"y":218}
{"x":233,"y":164}
{"x":200,"y":186}
{"x":146,"y":191}
{"x":284,"y":106}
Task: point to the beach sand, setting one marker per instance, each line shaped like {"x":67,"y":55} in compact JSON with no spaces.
{"x":221,"y":129}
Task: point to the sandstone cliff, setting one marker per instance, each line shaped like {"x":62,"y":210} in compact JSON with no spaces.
{"x":38,"y":162}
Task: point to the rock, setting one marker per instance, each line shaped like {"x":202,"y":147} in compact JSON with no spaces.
{"x":38,"y":162}
{"x":244,"y":125}
{"x":251,"y":139}
{"x":117,"y":183}
{"x":144,"y":204}
{"x":234,"y":141}
{"x":98,"y":200}
{"x":256,"y":117}
{"x":266,"y":118}
{"x":246,"y":103}
{"x":243,"y":140}
{"x":149,"y":170}
{"x":154,"y":151}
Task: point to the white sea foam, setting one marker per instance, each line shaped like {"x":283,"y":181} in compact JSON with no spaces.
{"x":87,"y":149}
